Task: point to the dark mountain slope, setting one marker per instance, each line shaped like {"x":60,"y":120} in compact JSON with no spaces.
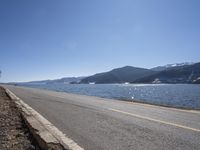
{"x":119,"y":75}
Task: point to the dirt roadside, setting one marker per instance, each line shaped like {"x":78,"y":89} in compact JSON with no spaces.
{"x":14,"y":135}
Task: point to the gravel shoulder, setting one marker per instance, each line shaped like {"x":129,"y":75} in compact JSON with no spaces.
{"x":14,"y":135}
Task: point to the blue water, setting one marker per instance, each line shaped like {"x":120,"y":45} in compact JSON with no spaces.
{"x":175,"y":95}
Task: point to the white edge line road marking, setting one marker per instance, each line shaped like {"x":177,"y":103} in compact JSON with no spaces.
{"x":155,"y":120}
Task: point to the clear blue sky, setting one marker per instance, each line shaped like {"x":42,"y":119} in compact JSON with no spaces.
{"x":51,"y":39}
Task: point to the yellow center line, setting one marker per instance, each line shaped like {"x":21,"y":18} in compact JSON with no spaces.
{"x":156,"y":120}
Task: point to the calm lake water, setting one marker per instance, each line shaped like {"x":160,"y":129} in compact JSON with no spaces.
{"x":176,"y":95}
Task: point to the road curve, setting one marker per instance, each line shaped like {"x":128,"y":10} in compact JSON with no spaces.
{"x":105,"y":124}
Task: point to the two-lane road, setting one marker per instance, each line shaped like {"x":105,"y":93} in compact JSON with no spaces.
{"x":104,"y":124}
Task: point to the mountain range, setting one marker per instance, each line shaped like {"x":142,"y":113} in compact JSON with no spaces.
{"x":178,"y":74}
{"x":66,"y":80}
{"x":172,"y":73}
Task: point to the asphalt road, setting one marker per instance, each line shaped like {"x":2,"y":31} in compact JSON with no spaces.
{"x":105,"y":124}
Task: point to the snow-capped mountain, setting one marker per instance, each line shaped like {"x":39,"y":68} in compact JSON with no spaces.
{"x":169,"y":66}
{"x":176,"y":74}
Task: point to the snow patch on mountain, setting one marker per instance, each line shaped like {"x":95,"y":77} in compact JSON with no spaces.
{"x":168,"y":66}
